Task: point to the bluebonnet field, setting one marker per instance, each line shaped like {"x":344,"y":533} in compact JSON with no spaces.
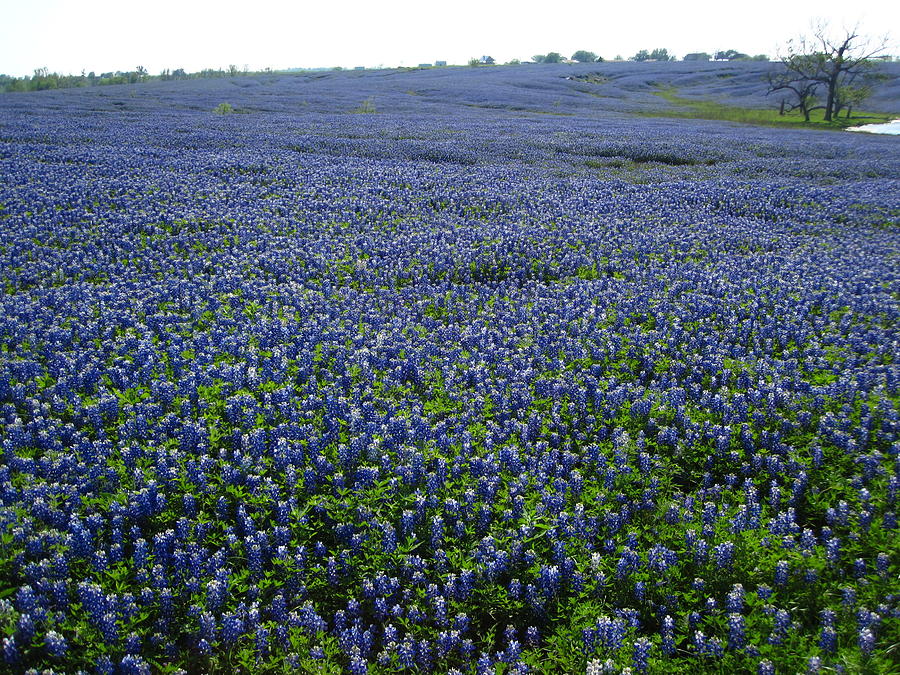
{"x":496,"y":379}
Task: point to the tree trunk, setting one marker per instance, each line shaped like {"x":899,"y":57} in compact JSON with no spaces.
{"x":832,"y":89}
{"x":781,"y":112}
{"x":849,"y":108}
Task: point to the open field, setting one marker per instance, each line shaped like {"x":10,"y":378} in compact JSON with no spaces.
{"x":448,"y":370}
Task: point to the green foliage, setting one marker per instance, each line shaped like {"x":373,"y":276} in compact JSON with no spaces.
{"x":726,"y":55}
{"x":367,"y":107}
{"x":584,"y":56}
{"x":658,"y":54}
{"x":223,"y":109}
{"x":43,"y":79}
{"x":731,"y":55}
{"x":552,"y":57}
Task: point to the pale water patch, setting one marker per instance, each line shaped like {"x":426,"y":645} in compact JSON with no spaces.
{"x":892,"y":127}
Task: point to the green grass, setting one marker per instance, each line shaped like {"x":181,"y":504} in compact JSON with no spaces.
{"x":367,"y":107}
{"x":713,"y":110}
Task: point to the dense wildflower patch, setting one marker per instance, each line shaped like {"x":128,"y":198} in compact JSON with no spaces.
{"x":443,"y":392}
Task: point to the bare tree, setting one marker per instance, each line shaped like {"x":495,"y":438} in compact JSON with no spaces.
{"x":830,"y":62}
{"x":800,"y":90}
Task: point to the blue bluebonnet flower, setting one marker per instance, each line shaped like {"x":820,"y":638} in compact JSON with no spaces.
{"x":610,"y":632}
{"x":639,"y":591}
{"x":261,"y":641}
{"x":828,"y":639}
{"x":781,"y":573}
{"x":641,"y":654}
{"x":882,"y":563}
{"x":549,"y":580}
{"x":780,"y":627}
{"x":512,"y":652}
{"x":629,"y":562}
{"x":11,"y":654}
{"x":660,"y":558}
{"x":134,"y":665}
{"x":25,"y":627}
{"x":406,"y":652}
{"x":485,"y":664}
{"x":598,"y":667}
{"x":714,"y":648}
{"x":866,"y":640}
{"x":723,"y":554}
{"x":358,"y":665}
{"x":699,"y":642}
{"x":736,"y":631}
{"x":848,"y":596}
{"x":26,"y":599}
{"x":232,"y":627}
{"x":734,"y":599}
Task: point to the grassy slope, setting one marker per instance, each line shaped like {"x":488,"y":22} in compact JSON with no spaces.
{"x":713,"y":110}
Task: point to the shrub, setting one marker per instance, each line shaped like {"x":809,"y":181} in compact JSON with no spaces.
{"x":367,"y":106}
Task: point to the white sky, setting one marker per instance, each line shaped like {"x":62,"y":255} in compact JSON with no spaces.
{"x":107,"y":35}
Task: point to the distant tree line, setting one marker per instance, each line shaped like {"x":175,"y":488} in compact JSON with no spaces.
{"x":661,"y":54}
{"x":581,"y":56}
{"x":43,"y":79}
{"x":658,"y":54}
{"x":726,"y":55}
{"x":655,"y":55}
